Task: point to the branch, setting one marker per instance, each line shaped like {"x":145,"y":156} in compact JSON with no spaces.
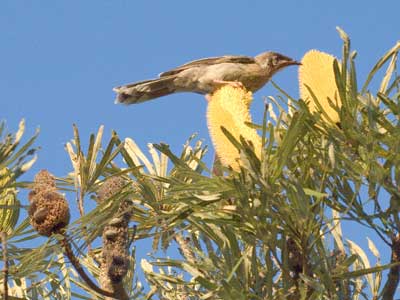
{"x":75,"y":262}
{"x":187,"y":253}
{"x":394,"y":273}
{"x":3,"y":237}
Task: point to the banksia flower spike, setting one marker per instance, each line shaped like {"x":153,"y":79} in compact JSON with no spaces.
{"x":316,"y":73}
{"x":229,"y":107}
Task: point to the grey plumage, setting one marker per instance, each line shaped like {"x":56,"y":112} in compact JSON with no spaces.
{"x":203,"y":76}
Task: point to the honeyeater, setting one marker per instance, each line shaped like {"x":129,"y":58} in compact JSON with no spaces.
{"x":228,"y":106}
{"x":205,"y":75}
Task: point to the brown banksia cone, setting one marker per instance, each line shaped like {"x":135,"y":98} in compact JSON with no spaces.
{"x":118,"y":265}
{"x":294,"y":257}
{"x":115,"y":259}
{"x":49,"y":210}
{"x":110,"y":188}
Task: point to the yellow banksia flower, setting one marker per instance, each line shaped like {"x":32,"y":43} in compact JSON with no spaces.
{"x":9,"y":206}
{"x":230,"y":107}
{"x":316,"y":72}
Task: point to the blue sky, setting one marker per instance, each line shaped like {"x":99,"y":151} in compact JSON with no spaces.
{"x":59,"y":60}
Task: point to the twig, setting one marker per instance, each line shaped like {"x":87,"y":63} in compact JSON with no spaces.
{"x":394,"y":273}
{"x":75,"y":262}
{"x":3,"y":237}
{"x":80,"y":203}
{"x":185,"y":249}
{"x":132,"y":236}
{"x":217,"y":166}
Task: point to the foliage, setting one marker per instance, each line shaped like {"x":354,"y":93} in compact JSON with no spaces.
{"x":15,"y":160}
{"x":272,"y":230}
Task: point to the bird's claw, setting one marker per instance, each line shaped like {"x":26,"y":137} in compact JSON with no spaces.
{"x":220,"y":83}
{"x":236,"y":84}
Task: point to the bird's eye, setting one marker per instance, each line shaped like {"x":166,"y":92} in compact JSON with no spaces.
{"x":274,"y":61}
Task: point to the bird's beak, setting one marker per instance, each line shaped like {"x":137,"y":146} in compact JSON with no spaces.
{"x":290,"y":63}
{"x":287,"y":61}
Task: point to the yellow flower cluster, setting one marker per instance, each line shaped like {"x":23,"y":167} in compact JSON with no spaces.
{"x":230,"y":107}
{"x":316,"y":72}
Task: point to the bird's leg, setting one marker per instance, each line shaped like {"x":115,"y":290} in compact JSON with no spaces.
{"x":236,"y":84}
{"x":217,"y":166}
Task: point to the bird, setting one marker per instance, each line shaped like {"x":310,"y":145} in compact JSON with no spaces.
{"x":205,"y":75}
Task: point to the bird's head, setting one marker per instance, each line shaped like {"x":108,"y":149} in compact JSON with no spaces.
{"x":273,"y":62}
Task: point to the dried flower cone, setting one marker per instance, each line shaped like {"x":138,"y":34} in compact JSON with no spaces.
{"x":230,"y":107}
{"x":49,"y":210}
{"x":316,"y":72}
{"x":110,"y":188}
{"x":117,"y":265}
{"x":114,"y":260}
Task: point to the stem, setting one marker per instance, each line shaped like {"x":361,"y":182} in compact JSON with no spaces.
{"x":75,"y":262}
{"x":394,"y":273}
{"x":80,"y":202}
{"x":217,"y":166}
{"x":186,"y":251}
{"x":3,"y":237}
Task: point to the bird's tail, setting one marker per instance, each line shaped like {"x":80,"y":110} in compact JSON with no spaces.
{"x":145,"y":90}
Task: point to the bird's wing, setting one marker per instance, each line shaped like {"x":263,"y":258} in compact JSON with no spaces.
{"x":118,"y":88}
{"x":210,"y":61}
